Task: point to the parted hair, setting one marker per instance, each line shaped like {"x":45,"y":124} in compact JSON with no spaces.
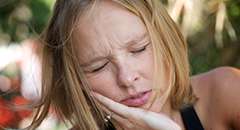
{"x":64,"y":87}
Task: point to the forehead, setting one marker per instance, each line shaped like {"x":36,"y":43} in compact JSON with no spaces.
{"x":108,"y":26}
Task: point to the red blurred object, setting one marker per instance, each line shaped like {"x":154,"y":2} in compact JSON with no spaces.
{"x":7,"y":117}
{"x":18,"y":101}
{"x":11,"y":118}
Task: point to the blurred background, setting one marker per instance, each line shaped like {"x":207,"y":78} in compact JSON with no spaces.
{"x":211,"y":27}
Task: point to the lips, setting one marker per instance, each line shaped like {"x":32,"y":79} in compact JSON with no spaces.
{"x":137,"y":100}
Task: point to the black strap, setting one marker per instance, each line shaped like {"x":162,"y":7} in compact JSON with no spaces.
{"x":109,"y":126}
{"x":190,"y":118}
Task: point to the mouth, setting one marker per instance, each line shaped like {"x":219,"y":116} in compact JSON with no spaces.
{"x":138,"y":99}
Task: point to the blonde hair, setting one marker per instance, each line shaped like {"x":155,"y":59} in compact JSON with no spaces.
{"x":64,"y":85}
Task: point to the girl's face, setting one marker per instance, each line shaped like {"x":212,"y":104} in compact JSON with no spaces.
{"x":116,"y":55}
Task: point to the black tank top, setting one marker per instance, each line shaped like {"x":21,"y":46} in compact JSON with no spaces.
{"x":189,"y":117}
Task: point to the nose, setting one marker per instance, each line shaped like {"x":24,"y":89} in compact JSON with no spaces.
{"x":127,"y":76}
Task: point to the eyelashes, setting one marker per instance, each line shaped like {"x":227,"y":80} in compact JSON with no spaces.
{"x":99,"y":68}
{"x":140,"y":50}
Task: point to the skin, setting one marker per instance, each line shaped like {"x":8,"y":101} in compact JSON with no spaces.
{"x":218,"y":106}
{"x":126,"y":68}
{"x":114,"y":66}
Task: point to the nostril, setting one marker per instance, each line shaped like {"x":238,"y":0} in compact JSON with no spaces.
{"x":127,"y":76}
{"x":127,"y":82}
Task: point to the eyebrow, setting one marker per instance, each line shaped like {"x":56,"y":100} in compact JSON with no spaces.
{"x":136,"y":40}
{"x":129,"y":43}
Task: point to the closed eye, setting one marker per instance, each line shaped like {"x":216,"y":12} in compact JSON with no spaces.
{"x":140,"y":49}
{"x":99,"y":68}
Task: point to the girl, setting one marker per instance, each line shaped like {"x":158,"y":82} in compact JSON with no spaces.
{"x":123,"y":64}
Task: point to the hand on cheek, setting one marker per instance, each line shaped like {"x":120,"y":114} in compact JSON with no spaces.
{"x":135,"y":118}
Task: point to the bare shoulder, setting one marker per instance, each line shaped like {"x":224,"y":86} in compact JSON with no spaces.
{"x":226,"y":84}
{"x":217,"y":80}
{"x":219,"y":89}
{"x":227,"y":90}
{"x":227,"y":77}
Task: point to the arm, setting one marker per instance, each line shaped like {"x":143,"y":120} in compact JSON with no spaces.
{"x":227,"y":91}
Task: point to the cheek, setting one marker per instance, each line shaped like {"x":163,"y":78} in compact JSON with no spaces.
{"x":104,"y":84}
{"x":145,"y":63}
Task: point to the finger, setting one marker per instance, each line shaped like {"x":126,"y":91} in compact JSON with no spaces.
{"x":158,"y":120}
{"x":141,"y":117}
{"x":123,"y":122}
{"x":112,"y":105}
{"x":130,"y":113}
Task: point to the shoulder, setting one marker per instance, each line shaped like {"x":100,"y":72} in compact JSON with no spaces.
{"x":217,"y":81}
{"x":225,"y":83}
{"x":219,"y":90}
{"x":226,"y":76}
{"x":227,"y":91}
